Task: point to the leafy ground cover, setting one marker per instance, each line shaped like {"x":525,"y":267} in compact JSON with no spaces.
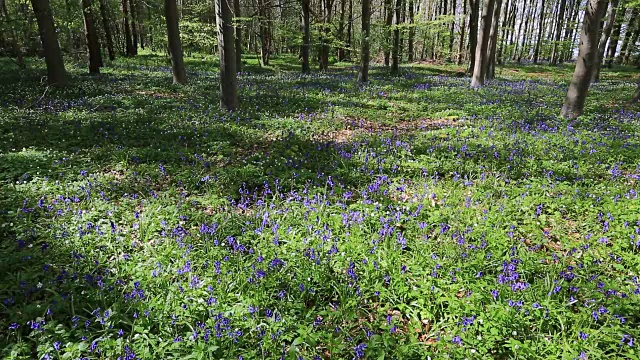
{"x":408,"y":218}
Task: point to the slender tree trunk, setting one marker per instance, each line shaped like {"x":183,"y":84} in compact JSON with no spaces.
{"x":175,"y":45}
{"x":265,"y":33}
{"x":395,"y":58}
{"x":388,"y":22}
{"x":237,"y":13}
{"x":412,"y":32}
{"x":606,"y":33}
{"x":520,"y":35}
{"x":536,"y":52}
{"x":479,"y":71}
{"x":555,"y":54}
{"x":93,"y":45}
{"x":134,"y":26}
{"x":324,"y":39}
{"x":615,"y":35}
{"x":503,"y":38}
{"x":490,"y":70}
{"x":451,"y":29}
{"x":107,"y":30}
{"x":127,"y":29}
{"x":632,"y":44}
{"x":349,"y":31}
{"x":628,"y":34}
{"x":474,"y":16}
{"x":573,"y":29}
{"x":463,"y":28}
{"x":56,"y":73}
{"x":226,"y":42}
{"x":579,"y":86}
{"x":306,"y":35}
{"x":363,"y":75}
{"x":341,"y":28}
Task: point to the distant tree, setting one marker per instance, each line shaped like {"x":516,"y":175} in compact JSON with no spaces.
{"x":536,"y":51}
{"x":238,"y":34}
{"x":395,"y":50}
{"x":604,"y":38}
{"x":56,"y":73}
{"x":615,"y":34}
{"x":93,"y":45}
{"x":474,"y":16}
{"x":490,"y":70}
{"x":106,"y":27}
{"x":579,"y":86}
{"x":363,"y":75}
{"x":175,"y":45}
{"x":129,"y":49}
{"x":555,"y":52}
{"x":226,"y":49}
{"x":306,"y":35}
{"x":628,"y":34}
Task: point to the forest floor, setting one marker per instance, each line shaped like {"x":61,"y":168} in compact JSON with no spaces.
{"x":407,"y":218}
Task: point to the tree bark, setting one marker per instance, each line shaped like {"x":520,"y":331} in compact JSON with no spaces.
{"x":363,"y":75}
{"x":479,"y":70}
{"x":636,"y":95}
{"x":412,"y":32}
{"x":175,"y":45}
{"x":555,"y":54}
{"x":606,"y":33}
{"x":503,"y":38}
{"x":325,"y":33}
{"x":237,"y":13}
{"x":536,"y":52}
{"x":615,"y":34}
{"x":388,"y":5}
{"x":228,"y":80}
{"x":463,"y":29}
{"x":93,"y":45}
{"x":579,"y":86}
{"x":306,"y":35}
{"x":490,"y":70}
{"x":127,"y":29}
{"x":474,"y":16}
{"x":107,"y":30}
{"x":341,"y":28}
{"x":349,"y":31}
{"x":395,"y":56}
{"x":56,"y":73}
{"x":265,"y":33}
{"x":134,"y":26}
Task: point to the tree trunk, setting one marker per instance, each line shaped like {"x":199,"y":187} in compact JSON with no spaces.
{"x":134,"y":26}
{"x":349,"y":31}
{"x":604,"y":38}
{"x":306,"y":35}
{"x":56,"y":73}
{"x":388,"y":22}
{"x":228,"y":80}
{"x":175,"y":45}
{"x":412,"y":32}
{"x":107,"y":30}
{"x":237,"y":13}
{"x":395,"y":56}
{"x":579,"y":86}
{"x":536,"y":52}
{"x":615,"y":35}
{"x":479,"y":70}
{"x":558,"y":35}
{"x":463,"y":29}
{"x":325,"y":33}
{"x":93,"y":45}
{"x":363,"y":75}
{"x":474,"y":16}
{"x":127,"y":29}
{"x":503,"y":38}
{"x":341,"y":28}
{"x":265,"y":33}
{"x":490,"y":70}
{"x":628,"y":34}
